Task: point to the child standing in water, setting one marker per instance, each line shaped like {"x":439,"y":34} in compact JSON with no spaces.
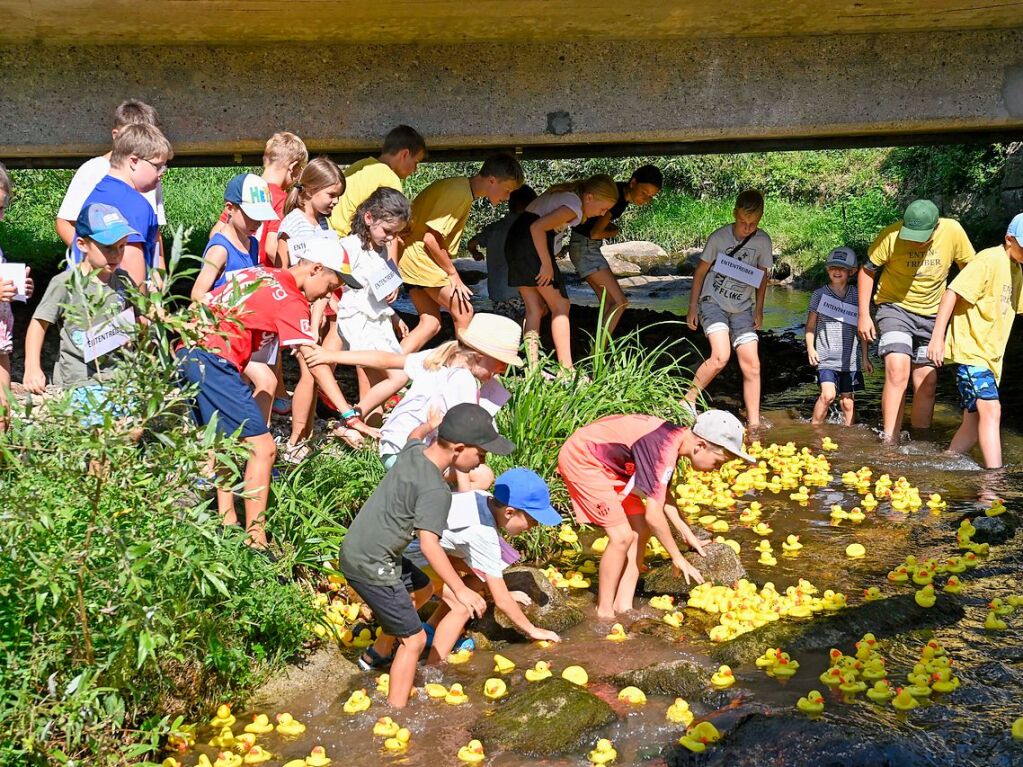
{"x":533,"y":244}
{"x":831,"y":341}
{"x":727,"y":299}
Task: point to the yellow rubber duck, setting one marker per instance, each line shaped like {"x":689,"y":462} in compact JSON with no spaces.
{"x":244,"y":741}
{"x":874,"y":670}
{"x":935,"y":502}
{"x":567,"y":535}
{"x":472,"y":753}
{"x":812,"y":704}
{"x":997,"y":507}
{"x":503,"y":665}
{"x":257,"y":755}
{"x":923,"y":577}
{"x":852,"y":686}
{"x":881,"y":692}
{"x":225,"y":739}
{"x":460,"y":656}
{"x":802,"y":495}
{"x":456,"y":696}
{"x":223,"y":718}
{"x":945,"y":683}
{"x":898,"y":575}
{"x":832,"y":677}
{"x":1000,"y":607}
{"x":495,"y":688}
{"x":603,"y":753}
{"x":837,"y":512}
{"x":768,"y":659}
{"x":855,"y":551}
{"x":679,"y":713}
{"x":542,"y":670}
{"x":785,"y":667}
{"x":904,"y":701}
{"x":723,"y":678}
{"x":384,"y":683}
{"x":872,"y":594}
{"x":170,"y":761}
{"x":260,"y":725}
{"x":829,"y":444}
{"x":856,"y":515}
{"x":318,"y":757}
{"x":399,"y":743}
{"x":599,"y":545}
{"x":617,"y":633}
{"x":673,"y":619}
{"x":576,"y":675}
{"x":632,"y":695}
{"x":288,"y":726}
{"x":663,"y":602}
{"x":357,"y":701}
{"x":792,"y":543}
{"x":588,"y":567}
{"x":762,"y":529}
{"x":993,"y":622}
{"x":386,"y":727}
{"x":925,"y":597}
{"x":1017,"y":729}
{"x":577,"y":581}
{"x":224,"y":759}
{"x":435,"y":691}
{"x":767,"y":559}
{"x":869,"y":502}
{"x":296,"y":763}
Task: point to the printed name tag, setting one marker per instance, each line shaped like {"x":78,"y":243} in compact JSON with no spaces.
{"x":738,"y":270}
{"x":107,"y":336}
{"x":18,"y":274}
{"x":830,"y":306}
{"x":384,"y":280}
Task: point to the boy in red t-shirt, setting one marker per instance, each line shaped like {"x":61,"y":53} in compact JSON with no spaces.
{"x":253,"y":324}
{"x":617,"y":471}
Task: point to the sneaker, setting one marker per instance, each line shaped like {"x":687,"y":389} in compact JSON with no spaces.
{"x":281,"y":406}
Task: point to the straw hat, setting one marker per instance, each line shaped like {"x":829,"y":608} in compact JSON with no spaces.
{"x":494,"y":336}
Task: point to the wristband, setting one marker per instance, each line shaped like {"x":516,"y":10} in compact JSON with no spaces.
{"x":349,"y":414}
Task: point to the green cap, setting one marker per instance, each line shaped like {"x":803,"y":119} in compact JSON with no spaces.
{"x":920,"y":221}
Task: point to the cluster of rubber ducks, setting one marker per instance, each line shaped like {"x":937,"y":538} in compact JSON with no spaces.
{"x":342,"y":620}
{"x":699,"y":736}
{"x":743,"y":607}
{"x":777,"y":664}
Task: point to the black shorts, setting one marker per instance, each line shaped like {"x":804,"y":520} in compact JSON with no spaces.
{"x":846,"y":382}
{"x":392,"y":605}
{"x":523,"y":260}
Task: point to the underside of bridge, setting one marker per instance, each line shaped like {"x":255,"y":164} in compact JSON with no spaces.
{"x":543,"y":77}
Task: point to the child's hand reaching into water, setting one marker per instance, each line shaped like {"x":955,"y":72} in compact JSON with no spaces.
{"x":543,"y":635}
{"x":681,"y":567}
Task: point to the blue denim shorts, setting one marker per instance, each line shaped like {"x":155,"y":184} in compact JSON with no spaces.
{"x":975,"y":383}
{"x":222,"y":392}
{"x":845,"y":381}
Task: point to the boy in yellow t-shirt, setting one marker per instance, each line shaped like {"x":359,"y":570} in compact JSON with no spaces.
{"x":439,"y":214}
{"x":914,"y":257}
{"x":982,"y":302}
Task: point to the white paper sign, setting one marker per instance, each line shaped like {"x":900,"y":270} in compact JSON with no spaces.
{"x":384,"y":280}
{"x":18,"y":274}
{"x":107,"y":336}
{"x":830,"y":306}
{"x":738,"y":270}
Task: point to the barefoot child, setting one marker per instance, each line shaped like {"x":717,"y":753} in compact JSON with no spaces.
{"x":978,"y":308}
{"x":473,"y":541}
{"x":831,"y":341}
{"x":533,"y":244}
{"x":617,"y":470}
{"x":413,"y":500}
{"x":727,"y":299}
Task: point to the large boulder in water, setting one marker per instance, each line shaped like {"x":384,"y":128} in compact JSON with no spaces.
{"x":676,"y":678}
{"x":720,"y":566}
{"x":993,"y":530}
{"x":883,"y":618}
{"x":545,"y":718}
{"x":551,"y":609}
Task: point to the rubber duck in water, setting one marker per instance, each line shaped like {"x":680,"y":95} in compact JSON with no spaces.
{"x":945,"y":682}
{"x":542,"y":670}
{"x":472,"y":753}
{"x":1000,"y":607}
{"x":802,"y":495}
{"x":1017,"y":729}
{"x":953,"y":585}
{"x":357,"y":701}
{"x":874,"y":670}
{"x":456,"y":695}
{"x":599,"y":545}
{"x":993,"y":622}
{"x":460,"y":656}
{"x":881,"y":692}
{"x":288,"y":726}
{"x":603,"y":753}
{"x":904,"y":701}
{"x":257,"y":755}
{"x":224,"y":739}
{"x":224,"y":759}
{"x":399,"y":743}
{"x":577,"y":581}
{"x":588,"y":567}
{"x":833,"y":600}
{"x":386,"y":727}
{"x":767,"y":559}
{"x":837,"y":512}
{"x":852,"y":686}
{"x":925,"y":597}
{"x":318,"y":757}
{"x":812,"y":704}
{"x":663,"y":602}
{"x":723,"y":678}
{"x":784,"y":668}
{"x":223,"y":717}
{"x":244,"y":741}
{"x":791,"y":543}
{"x":576,"y":675}
{"x":832,"y":677}
{"x":435,"y":691}
{"x":768,"y":659}
{"x":259,"y":725}
{"x":503,"y":665}
{"x":829,"y":444}
{"x":617,"y":633}
{"x":872,"y":594}
{"x":699,"y":736}
{"x":495,"y":688}
{"x":855,"y":551}
{"x":673,"y":619}
{"x":856,"y":515}
{"x":935,"y":502}
{"x":170,"y":761}
{"x":567,"y":535}
{"x":679,"y":713}
{"x":997,"y":507}
{"x":762,"y":529}
{"x":632,"y":695}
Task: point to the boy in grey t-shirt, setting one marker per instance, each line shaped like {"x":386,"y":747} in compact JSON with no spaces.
{"x":727,"y":299}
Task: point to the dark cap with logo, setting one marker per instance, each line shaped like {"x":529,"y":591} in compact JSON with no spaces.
{"x":472,"y":425}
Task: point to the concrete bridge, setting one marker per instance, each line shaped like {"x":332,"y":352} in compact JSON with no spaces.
{"x":546,"y":77}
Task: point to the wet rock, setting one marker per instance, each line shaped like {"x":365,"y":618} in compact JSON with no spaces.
{"x":654,"y":627}
{"x":993,"y":530}
{"x":545,"y":718}
{"x":721,"y":566}
{"x":677,"y":678}
{"x":551,"y":609}
{"x":883,"y":618}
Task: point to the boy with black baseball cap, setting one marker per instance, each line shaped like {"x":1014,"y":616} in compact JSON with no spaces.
{"x":413,"y":500}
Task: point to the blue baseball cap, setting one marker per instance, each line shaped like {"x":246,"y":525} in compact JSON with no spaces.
{"x":102,"y":223}
{"x":1016,"y":227}
{"x":251,"y":193}
{"x":525,"y":490}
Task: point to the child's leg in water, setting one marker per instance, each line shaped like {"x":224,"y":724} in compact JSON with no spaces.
{"x":847,"y":401}
{"x":626,"y":591}
{"x":622,"y":540}
{"x":823,"y":403}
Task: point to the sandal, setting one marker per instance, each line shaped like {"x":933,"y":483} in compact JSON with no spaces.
{"x":371,"y":659}
{"x":354,"y":439}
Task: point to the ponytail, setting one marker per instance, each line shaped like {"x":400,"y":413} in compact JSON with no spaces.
{"x":317,"y":175}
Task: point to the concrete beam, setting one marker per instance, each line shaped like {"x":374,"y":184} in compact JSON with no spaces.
{"x":550,"y":97}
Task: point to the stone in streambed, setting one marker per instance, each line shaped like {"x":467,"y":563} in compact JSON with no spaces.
{"x":551,"y":609}
{"x":883,"y":618}
{"x":677,"y":679}
{"x":993,"y":530}
{"x":544,"y":718}
{"x":720,"y":566}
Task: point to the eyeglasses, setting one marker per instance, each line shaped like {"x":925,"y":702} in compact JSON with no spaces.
{"x":160,"y":169}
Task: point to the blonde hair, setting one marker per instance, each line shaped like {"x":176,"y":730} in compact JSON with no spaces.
{"x":319,"y":174}
{"x":447,"y":354}
{"x":284,"y":148}
{"x":140,"y":140}
{"x":601,"y":186}
{"x":5,"y":181}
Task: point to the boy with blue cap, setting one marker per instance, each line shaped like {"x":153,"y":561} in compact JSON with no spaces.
{"x":473,"y":541}
{"x":978,"y":309}
{"x":82,"y":300}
